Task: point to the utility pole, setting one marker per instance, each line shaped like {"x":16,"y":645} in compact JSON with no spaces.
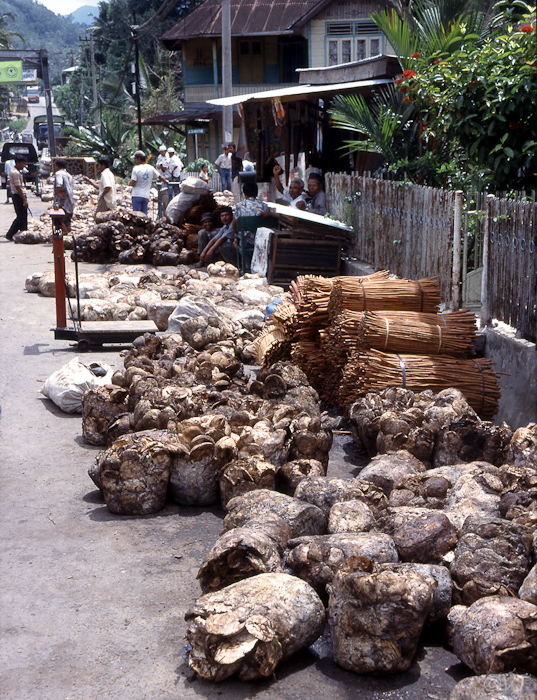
{"x":94,"y":82}
{"x":137,"y":82}
{"x":227,"y":111}
{"x":43,"y":58}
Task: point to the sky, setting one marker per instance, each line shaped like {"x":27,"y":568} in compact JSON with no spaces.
{"x":65,"y":7}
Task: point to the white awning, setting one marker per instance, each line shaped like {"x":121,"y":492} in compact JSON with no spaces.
{"x":299,"y":91}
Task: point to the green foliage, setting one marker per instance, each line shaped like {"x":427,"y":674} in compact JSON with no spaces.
{"x":383,"y":122}
{"x":483,"y":101}
{"x":195,"y":166}
{"x":36,"y":27}
{"x":114,"y":142}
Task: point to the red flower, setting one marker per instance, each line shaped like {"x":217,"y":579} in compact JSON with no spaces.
{"x":407,"y":99}
{"x":436,"y":61}
{"x":513,"y":126}
{"x":409,"y":73}
{"x":527,"y":29}
{"x":416,"y":54}
{"x":398,"y":81}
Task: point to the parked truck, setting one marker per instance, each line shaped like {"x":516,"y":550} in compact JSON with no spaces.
{"x":41,"y":128}
{"x":10,"y":151}
{"x":32,"y":93}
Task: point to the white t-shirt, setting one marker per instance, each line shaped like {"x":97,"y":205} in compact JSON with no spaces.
{"x":163,"y":165}
{"x":176,"y":165}
{"x":223,"y":161}
{"x":143,"y":176}
{"x":293,"y":202}
{"x":108,"y":180}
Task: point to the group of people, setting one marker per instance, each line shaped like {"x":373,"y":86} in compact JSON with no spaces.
{"x":312,"y":200}
{"x":221,"y":243}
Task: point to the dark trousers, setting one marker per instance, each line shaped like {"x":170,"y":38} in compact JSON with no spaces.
{"x":21,"y":221}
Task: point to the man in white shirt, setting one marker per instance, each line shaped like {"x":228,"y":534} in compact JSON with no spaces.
{"x":106,"y":186}
{"x":223,"y":165}
{"x":175,"y":168}
{"x":141,"y":182}
{"x":163,"y":166}
{"x":294,"y":196}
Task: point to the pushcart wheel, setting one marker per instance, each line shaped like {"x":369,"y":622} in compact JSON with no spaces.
{"x":84,"y":345}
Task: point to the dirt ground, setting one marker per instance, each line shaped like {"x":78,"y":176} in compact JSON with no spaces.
{"x":92,"y":604}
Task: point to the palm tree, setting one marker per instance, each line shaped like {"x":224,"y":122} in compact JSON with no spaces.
{"x":6,"y":36}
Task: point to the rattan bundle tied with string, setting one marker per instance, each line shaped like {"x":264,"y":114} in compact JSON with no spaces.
{"x":417,"y":333}
{"x":374,"y":371}
{"x":374,"y":294}
{"x":271,"y":346}
{"x":284,"y":317}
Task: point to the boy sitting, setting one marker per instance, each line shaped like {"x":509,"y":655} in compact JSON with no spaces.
{"x":223,"y":245}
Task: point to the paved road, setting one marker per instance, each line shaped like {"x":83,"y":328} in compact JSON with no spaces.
{"x":92,"y":604}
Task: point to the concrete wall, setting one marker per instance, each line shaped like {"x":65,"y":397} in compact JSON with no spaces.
{"x":518,"y":359}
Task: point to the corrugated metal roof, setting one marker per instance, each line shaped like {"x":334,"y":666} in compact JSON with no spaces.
{"x":300,"y":92}
{"x":248,"y":17}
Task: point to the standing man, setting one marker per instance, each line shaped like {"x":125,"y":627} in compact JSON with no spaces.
{"x":175,"y":168}
{"x":141,"y":181}
{"x":223,"y":165}
{"x":18,"y":194}
{"x":294,"y":196}
{"x":7,"y":168}
{"x":236,"y":168}
{"x":163,"y":166}
{"x":106,"y":186}
{"x":63,"y":193}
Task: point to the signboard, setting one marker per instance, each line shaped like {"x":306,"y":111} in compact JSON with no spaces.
{"x":191,"y":131}
{"x":29,"y":75}
{"x":10,"y":71}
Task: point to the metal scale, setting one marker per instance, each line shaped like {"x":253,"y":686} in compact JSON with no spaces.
{"x":88,"y":334}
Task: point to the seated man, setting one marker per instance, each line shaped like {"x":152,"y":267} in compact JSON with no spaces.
{"x":251,"y":206}
{"x":317,"y":203}
{"x":223,"y":246}
{"x":205,"y":234}
{"x":294,"y":196}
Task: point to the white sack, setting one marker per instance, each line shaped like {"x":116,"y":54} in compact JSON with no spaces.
{"x":66,"y":386}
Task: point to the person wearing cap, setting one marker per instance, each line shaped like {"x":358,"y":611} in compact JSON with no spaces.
{"x":317,"y":203}
{"x":141,"y":181}
{"x":223,"y":245}
{"x":205,"y":234}
{"x":223,"y":165}
{"x":163,"y":166}
{"x":175,"y":168}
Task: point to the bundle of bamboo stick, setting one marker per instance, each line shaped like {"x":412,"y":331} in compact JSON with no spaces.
{"x":285,"y":318}
{"x":381,"y":294}
{"x":417,"y":333}
{"x":373,"y":371}
{"x":271,"y":346}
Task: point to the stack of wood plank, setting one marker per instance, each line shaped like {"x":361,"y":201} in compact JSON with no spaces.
{"x":354,"y":335}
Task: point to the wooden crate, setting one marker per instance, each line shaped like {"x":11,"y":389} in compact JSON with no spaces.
{"x":291,"y":257}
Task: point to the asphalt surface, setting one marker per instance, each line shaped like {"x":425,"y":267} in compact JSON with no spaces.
{"x":92,"y":604}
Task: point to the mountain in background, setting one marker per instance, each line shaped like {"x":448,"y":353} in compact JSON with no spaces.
{"x":42,"y":29}
{"x":85,"y":14}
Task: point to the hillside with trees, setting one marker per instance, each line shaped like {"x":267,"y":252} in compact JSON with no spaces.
{"x":42,"y":29}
